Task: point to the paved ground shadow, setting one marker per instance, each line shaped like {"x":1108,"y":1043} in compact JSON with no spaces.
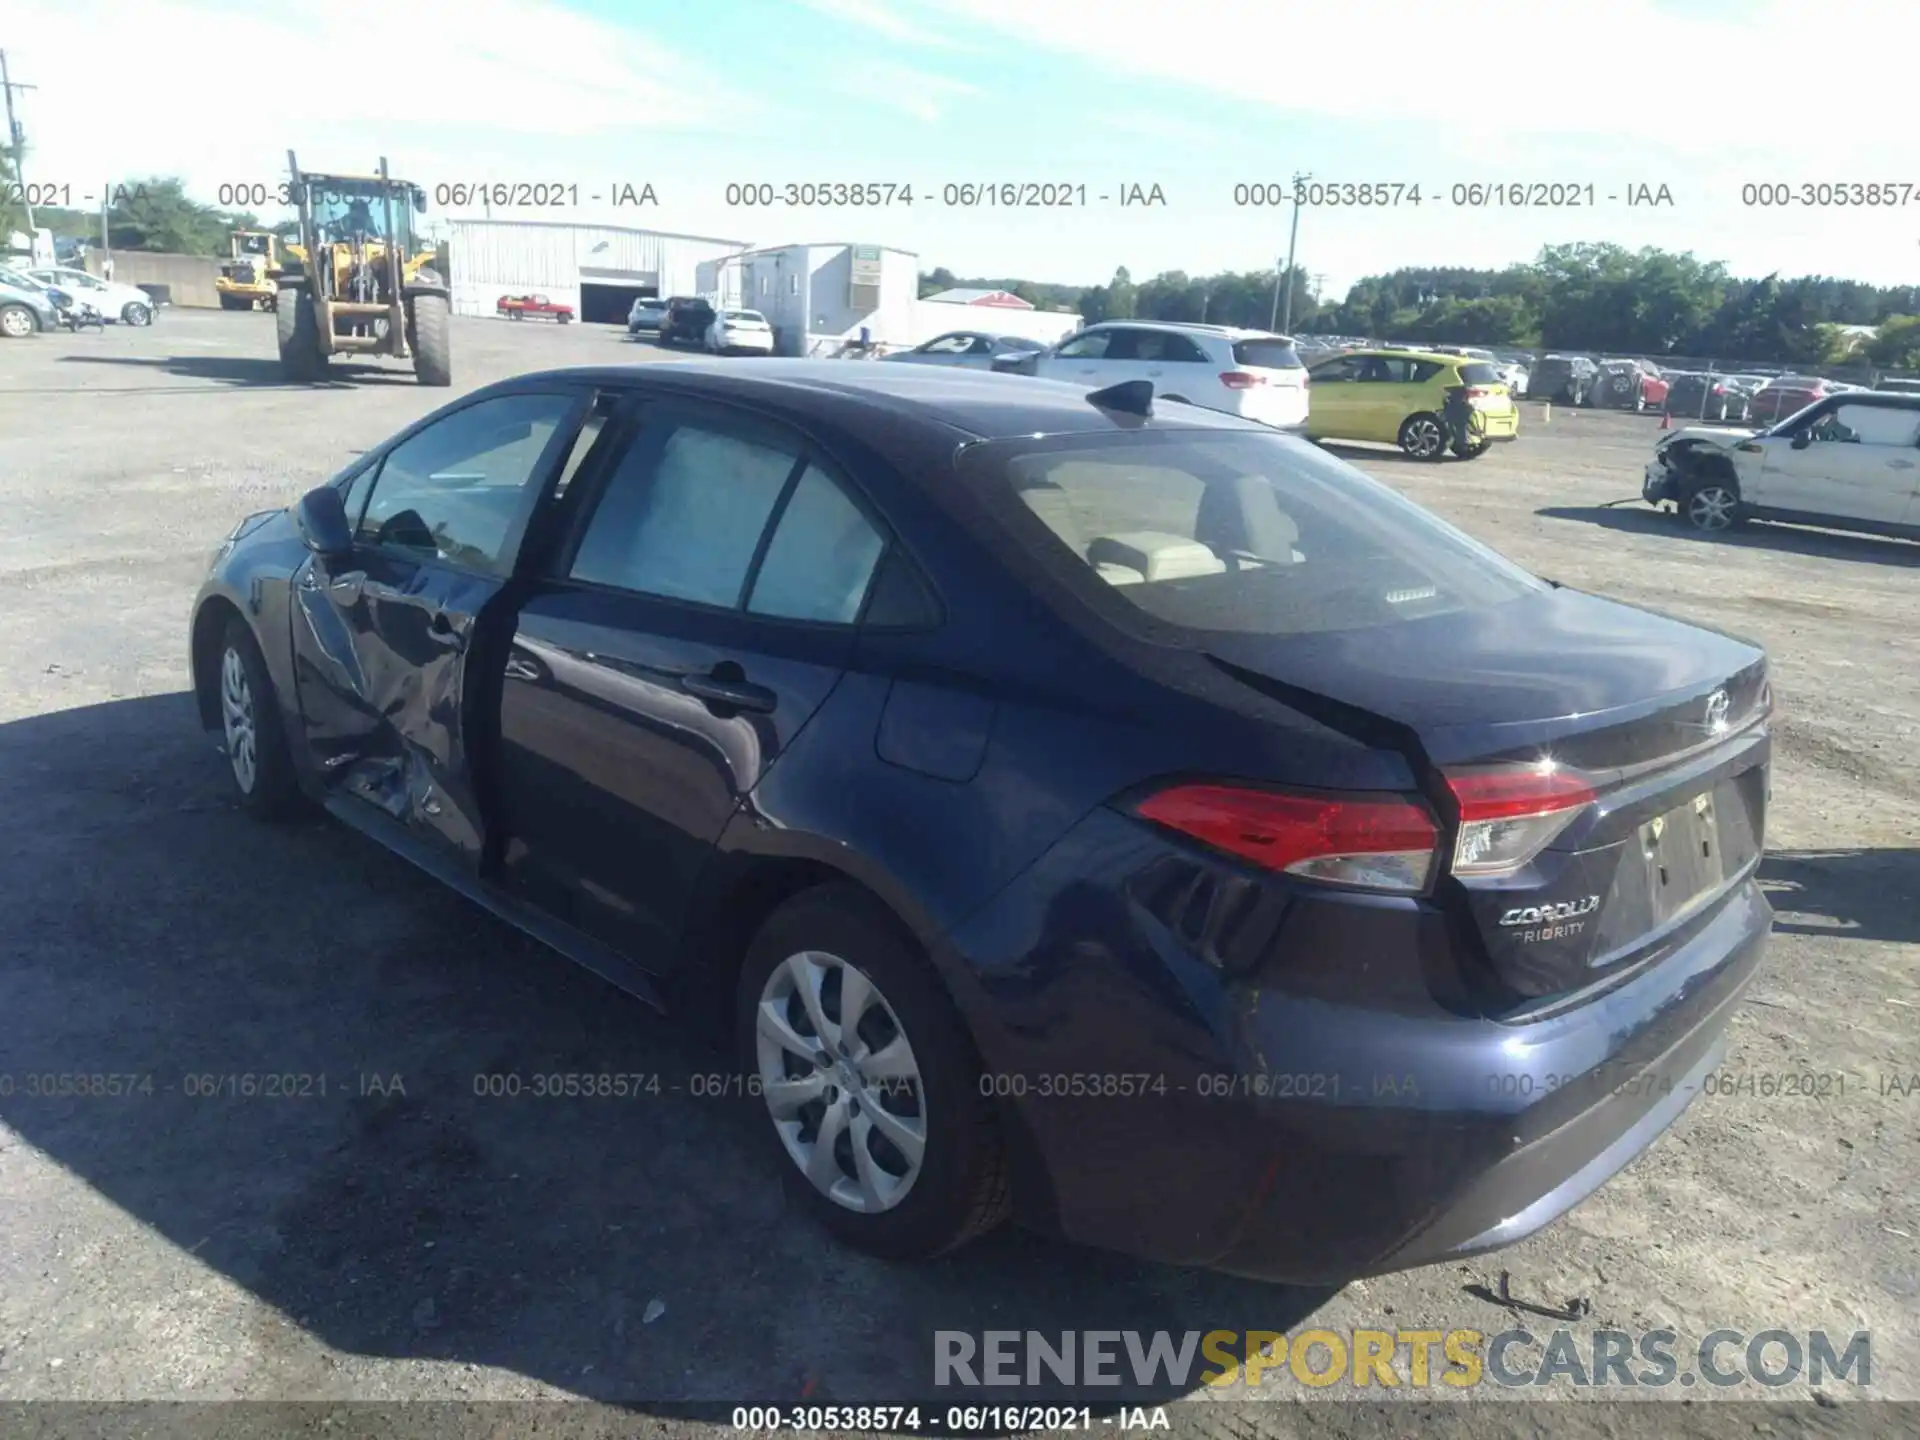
{"x":158,"y":932}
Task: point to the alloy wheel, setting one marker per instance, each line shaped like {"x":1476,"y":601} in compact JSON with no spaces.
{"x":238,"y":720}
{"x":1711,"y":507}
{"x":841,"y":1081}
{"x":138,"y":314}
{"x":1423,"y":438}
{"x":15,"y":323}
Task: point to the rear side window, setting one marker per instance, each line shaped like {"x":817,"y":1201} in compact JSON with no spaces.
{"x":1421,"y":371}
{"x":1266,"y":355}
{"x":1476,"y":373}
{"x":821,"y":557}
{"x":683,"y":514}
{"x":1243,"y":534}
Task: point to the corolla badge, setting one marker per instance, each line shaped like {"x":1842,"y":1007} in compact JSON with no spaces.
{"x":1716,"y":717}
{"x":1550,"y":914}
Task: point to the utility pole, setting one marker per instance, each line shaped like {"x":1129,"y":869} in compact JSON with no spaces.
{"x":1293,"y":239}
{"x":16,"y":139}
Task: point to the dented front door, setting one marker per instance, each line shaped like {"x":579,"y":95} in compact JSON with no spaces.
{"x":394,"y":643}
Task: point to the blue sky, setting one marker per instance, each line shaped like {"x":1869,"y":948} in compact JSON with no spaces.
{"x":1195,"y":97}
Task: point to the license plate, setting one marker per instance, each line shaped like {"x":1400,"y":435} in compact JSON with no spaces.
{"x":1683,"y":857}
{"x":1489,"y":402}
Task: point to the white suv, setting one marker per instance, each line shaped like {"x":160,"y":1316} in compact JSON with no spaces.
{"x":1850,"y":462}
{"x":1251,"y":373}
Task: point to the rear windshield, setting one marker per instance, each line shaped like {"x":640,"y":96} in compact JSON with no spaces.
{"x":1239,"y":533}
{"x":1547,"y":366}
{"x":1267,"y":355}
{"x":1476,"y":373}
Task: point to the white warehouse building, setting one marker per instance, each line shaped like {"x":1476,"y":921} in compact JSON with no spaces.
{"x":600,"y":270}
{"x":815,"y":295}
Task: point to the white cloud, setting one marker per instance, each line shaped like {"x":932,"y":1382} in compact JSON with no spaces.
{"x":214,"y":93}
{"x":1632,"y":70}
{"x":917,"y":93}
{"x":882,"y":18}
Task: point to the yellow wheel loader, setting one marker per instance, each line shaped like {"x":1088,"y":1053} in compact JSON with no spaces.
{"x":360,"y":281}
{"x":250,"y":275}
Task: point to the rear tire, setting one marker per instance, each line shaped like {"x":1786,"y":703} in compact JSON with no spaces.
{"x":136,"y":314}
{"x":867,"y":1191}
{"x":432,"y":340}
{"x":258,"y":761}
{"x":298,"y":334}
{"x":1423,"y":437}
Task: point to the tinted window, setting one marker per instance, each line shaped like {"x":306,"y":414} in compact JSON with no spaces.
{"x":1091,"y":346}
{"x":1238,"y":533}
{"x":1384,"y":369}
{"x":1421,"y":371}
{"x":1476,"y":373}
{"x":1347,"y":367}
{"x":948,"y":345}
{"x":683,"y":513}
{"x":820,"y":558}
{"x":1266,"y":354}
{"x":452,"y":491}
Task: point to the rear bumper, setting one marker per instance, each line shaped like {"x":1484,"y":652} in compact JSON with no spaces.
{"x":1313,"y":1122}
{"x":1502,"y":426}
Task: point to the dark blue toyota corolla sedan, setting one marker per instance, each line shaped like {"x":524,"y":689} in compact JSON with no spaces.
{"x":1122,"y":817}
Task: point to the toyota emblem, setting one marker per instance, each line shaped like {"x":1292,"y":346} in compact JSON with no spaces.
{"x":1717,"y":706}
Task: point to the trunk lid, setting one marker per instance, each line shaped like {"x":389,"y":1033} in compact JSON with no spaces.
{"x":1662,"y":722}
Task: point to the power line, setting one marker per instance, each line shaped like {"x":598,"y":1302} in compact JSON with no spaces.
{"x":16,"y":137}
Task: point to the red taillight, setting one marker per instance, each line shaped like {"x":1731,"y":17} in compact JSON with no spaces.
{"x":1509,"y":814}
{"x":1480,"y":392}
{"x":1241,"y":380}
{"x":1376,"y":843}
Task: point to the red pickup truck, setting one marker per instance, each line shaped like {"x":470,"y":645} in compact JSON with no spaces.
{"x":519,"y":307}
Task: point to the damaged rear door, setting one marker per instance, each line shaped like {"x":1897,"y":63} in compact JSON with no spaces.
{"x":393,"y":644}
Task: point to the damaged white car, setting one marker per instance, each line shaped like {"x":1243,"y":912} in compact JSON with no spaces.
{"x":1849,"y":462}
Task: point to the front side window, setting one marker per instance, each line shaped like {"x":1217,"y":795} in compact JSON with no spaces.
{"x":452,"y":491}
{"x":1871,"y":425}
{"x":948,"y":345}
{"x":1237,"y":534}
{"x":683,"y":513}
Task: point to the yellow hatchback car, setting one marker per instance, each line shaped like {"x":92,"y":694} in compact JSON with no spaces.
{"x":1399,"y":397}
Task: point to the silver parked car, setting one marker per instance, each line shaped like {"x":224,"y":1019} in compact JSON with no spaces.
{"x":25,"y":306}
{"x":967,"y":349}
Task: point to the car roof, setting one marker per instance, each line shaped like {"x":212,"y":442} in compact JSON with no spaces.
{"x":1233,"y":332}
{"x":980,"y":404}
{"x":1394,"y":352}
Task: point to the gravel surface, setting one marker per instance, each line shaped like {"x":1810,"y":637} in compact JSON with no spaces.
{"x":400,"y":1238}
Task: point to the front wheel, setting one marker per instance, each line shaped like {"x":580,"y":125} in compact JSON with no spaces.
{"x":297,"y":331}
{"x":1712,"y":506}
{"x":871,"y":1085}
{"x":137,"y":314}
{"x":1423,"y":437}
{"x":432,"y":340}
{"x":257,"y":756}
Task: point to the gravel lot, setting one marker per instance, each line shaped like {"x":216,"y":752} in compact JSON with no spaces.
{"x":432,"y":1245}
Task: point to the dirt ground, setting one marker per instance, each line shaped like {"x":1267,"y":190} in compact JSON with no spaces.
{"x":369,"y":1245}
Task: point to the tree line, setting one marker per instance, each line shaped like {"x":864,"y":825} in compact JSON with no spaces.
{"x":154,"y":213}
{"x":1596,"y":297}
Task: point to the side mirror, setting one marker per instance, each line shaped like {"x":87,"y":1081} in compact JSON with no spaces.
{"x":1803,"y":440}
{"x":321,"y":518}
